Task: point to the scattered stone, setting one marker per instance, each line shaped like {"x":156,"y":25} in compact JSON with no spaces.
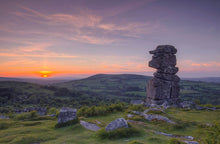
{"x":151,"y":117}
{"x":118,"y":123}
{"x":130,"y":116}
{"x":41,"y":111}
{"x":90,"y":126}
{"x":175,"y":136}
{"x":52,"y":115}
{"x":4,"y":117}
{"x":136,"y":122}
{"x":199,"y":107}
{"x":165,"y":84}
{"x":136,"y":112}
{"x":187,"y":104}
{"x":67,"y":114}
{"x":98,"y":122}
{"x":137,"y":102}
{"x":209,"y":125}
{"x":191,"y":142}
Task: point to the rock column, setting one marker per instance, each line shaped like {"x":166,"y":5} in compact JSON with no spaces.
{"x":164,"y":87}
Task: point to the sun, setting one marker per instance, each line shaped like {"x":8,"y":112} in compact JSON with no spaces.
{"x":45,"y":74}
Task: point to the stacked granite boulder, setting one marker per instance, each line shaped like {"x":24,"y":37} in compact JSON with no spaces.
{"x":164,"y":87}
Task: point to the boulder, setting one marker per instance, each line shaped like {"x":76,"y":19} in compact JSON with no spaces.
{"x":67,"y":114}
{"x":118,"y":123}
{"x":90,"y":126}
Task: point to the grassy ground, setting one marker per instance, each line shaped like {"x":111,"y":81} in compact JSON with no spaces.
{"x":43,"y":131}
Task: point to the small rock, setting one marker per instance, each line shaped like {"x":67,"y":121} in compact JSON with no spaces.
{"x":118,"y":123}
{"x":67,"y":114}
{"x":191,"y":142}
{"x":98,"y":122}
{"x":136,"y":112}
{"x":137,"y":102}
{"x":130,"y":115}
{"x":90,"y":126}
{"x":4,"y":117}
{"x":52,"y":115}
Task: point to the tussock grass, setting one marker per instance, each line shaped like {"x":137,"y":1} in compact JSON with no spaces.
{"x":118,"y":133}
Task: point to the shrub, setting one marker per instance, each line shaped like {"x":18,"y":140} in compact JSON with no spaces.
{"x":209,"y":134}
{"x":136,"y":108}
{"x":175,"y":141}
{"x":32,"y":123}
{"x":138,"y":118}
{"x":154,"y":139}
{"x":33,"y":114}
{"x":155,"y":112}
{"x":99,"y":110}
{"x":52,"y":111}
{"x":4,"y":125}
{"x":26,"y":116}
{"x":135,"y":142}
{"x":118,"y":133}
{"x":59,"y":125}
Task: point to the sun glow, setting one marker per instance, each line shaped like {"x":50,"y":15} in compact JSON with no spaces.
{"x":45,"y":74}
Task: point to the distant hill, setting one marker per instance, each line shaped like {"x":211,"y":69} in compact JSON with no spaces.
{"x":42,"y":81}
{"x":206,"y":79}
{"x":126,"y":87}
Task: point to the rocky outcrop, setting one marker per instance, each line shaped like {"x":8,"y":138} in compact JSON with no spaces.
{"x":39,"y":110}
{"x":165,"y":84}
{"x":118,"y":123}
{"x":67,"y":114}
{"x":90,"y":126}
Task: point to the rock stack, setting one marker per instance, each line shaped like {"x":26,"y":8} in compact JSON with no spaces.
{"x":164,"y":87}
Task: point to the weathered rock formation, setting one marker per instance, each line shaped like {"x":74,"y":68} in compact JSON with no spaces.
{"x":67,"y":114}
{"x":164,"y":87}
{"x":118,"y":123}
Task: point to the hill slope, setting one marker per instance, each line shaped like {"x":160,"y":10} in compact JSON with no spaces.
{"x":22,"y":94}
{"x":126,"y":87}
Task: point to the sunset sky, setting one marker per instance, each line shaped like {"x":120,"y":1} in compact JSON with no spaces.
{"x":59,"y":38}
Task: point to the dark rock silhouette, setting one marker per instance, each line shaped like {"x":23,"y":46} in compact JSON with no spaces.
{"x":164,"y":87}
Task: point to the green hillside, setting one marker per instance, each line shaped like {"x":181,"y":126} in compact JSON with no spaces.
{"x":203,"y":125}
{"x":21,"y":94}
{"x":95,"y":90}
{"x":126,"y":87}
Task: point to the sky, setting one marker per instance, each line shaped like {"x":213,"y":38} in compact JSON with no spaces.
{"x":76,"y":38}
